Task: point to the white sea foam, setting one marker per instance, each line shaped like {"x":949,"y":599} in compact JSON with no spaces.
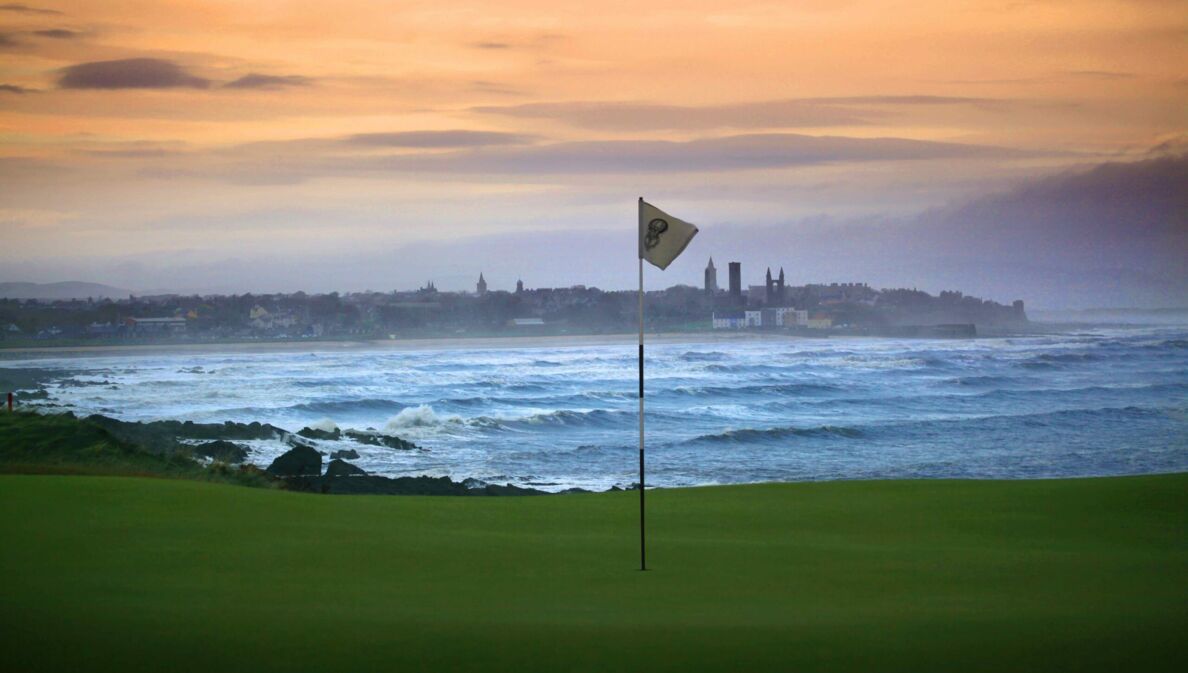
{"x":325,"y":425}
{"x":417,"y":417}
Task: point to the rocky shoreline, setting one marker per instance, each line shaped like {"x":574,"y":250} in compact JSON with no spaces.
{"x":300,"y":468}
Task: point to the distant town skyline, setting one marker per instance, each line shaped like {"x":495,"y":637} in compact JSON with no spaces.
{"x":202,"y":145}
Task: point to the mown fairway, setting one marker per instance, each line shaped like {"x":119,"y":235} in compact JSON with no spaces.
{"x":106,"y":573}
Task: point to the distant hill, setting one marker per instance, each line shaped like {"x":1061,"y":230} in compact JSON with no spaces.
{"x":65,"y":290}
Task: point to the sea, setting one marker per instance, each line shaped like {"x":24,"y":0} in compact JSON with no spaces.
{"x":1079,"y":402}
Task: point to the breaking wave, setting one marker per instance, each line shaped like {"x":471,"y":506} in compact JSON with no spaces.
{"x":757,"y":435}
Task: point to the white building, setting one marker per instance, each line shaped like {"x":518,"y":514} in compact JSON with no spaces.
{"x":790,"y":317}
{"x":733,"y":320}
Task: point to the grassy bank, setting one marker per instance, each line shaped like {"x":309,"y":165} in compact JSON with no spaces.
{"x":32,"y":443}
{"x":151,"y":574}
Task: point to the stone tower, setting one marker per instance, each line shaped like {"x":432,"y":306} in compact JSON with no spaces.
{"x":736,"y":280}
{"x":481,"y":288}
{"x":711,"y":278}
{"x":519,"y":287}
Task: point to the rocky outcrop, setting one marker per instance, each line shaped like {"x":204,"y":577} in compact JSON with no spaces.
{"x":315,"y":433}
{"x":345,"y":454}
{"x":222,"y":451}
{"x":299,"y":461}
{"x":374,"y":485}
{"x":380,"y":439}
{"x":341,"y":468}
{"x":162,"y":436}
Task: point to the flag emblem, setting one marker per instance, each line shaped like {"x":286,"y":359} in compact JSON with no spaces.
{"x":655,"y":228}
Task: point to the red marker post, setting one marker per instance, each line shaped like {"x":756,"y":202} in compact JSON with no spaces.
{"x":10,"y":401}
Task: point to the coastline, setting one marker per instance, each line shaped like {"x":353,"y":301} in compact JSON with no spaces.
{"x":416,"y":344}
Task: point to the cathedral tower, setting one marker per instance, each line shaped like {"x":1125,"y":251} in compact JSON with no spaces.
{"x":711,"y":278}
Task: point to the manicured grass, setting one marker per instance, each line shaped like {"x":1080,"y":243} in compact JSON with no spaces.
{"x":169,"y":575}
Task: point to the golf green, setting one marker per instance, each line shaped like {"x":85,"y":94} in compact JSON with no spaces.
{"x":123,"y":574}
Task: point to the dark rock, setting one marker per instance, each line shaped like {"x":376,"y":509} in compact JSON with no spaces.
{"x":348,"y":454}
{"x":314,"y":433}
{"x":341,"y":468}
{"x":375,"y":485}
{"x":508,"y":489}
{"x":297,"y":462}
{"x":295,"y":441}
{"x":379,"y":439}
{"x":222,"y":450}
{"x":225,"y":430}
{"x":161,"y":436}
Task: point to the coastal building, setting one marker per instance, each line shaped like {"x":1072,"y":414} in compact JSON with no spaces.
{"x":753,"y":318}
{"x":736,"y":281}
{"x":519,"y":287}
{"x":790,"y":317}
{"x":155,"y":325}
{"x":711,"y":278}
{"x":481,"y":287}
{"x":729,"y":320}
{"x":819,"y":321}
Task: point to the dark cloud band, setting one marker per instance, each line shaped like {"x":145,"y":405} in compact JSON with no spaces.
{"x":25,"y":9}
{"x":257,"y":81}
{"x":129,"y":73}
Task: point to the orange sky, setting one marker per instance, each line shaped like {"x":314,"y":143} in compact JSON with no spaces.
{"x":259,"y":121}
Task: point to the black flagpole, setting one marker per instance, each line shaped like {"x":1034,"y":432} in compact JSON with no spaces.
{"x":643,"y":564}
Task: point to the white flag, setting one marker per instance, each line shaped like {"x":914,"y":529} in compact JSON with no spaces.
{"x":662,"y":237}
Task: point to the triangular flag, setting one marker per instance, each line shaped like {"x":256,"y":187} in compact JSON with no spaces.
{"x":662,"y":237}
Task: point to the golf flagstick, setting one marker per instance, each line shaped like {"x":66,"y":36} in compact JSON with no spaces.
{"x":661,"y":238}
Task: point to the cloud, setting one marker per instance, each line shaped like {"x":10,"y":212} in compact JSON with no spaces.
{"x":491,"y":45}
{"x":1099,"y":74}
{"x":13,"y":88}
{"x":438,"y":139}
{"x":58,"y":33}
{"x":6,"y":40}
{"x":25,"y":9}
{"x":490,"y":154}
{"x":258,"y":81}
{"x":731,"y":153}
{"x":791,"y":113}
{"x":129,"y":73}
{"x":489,"y":87}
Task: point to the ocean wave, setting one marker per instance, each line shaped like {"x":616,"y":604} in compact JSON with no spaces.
{"x":985,"y":380}
{"x":560,"y":417}
{"x":762,"y":389}
{"x":758,"y":435}
{"x":417,"y":417}
{"x":339,"y":407}
{"x":1060,"y":358}
{"x":702,"y":356}
{"x":325,"y":425}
